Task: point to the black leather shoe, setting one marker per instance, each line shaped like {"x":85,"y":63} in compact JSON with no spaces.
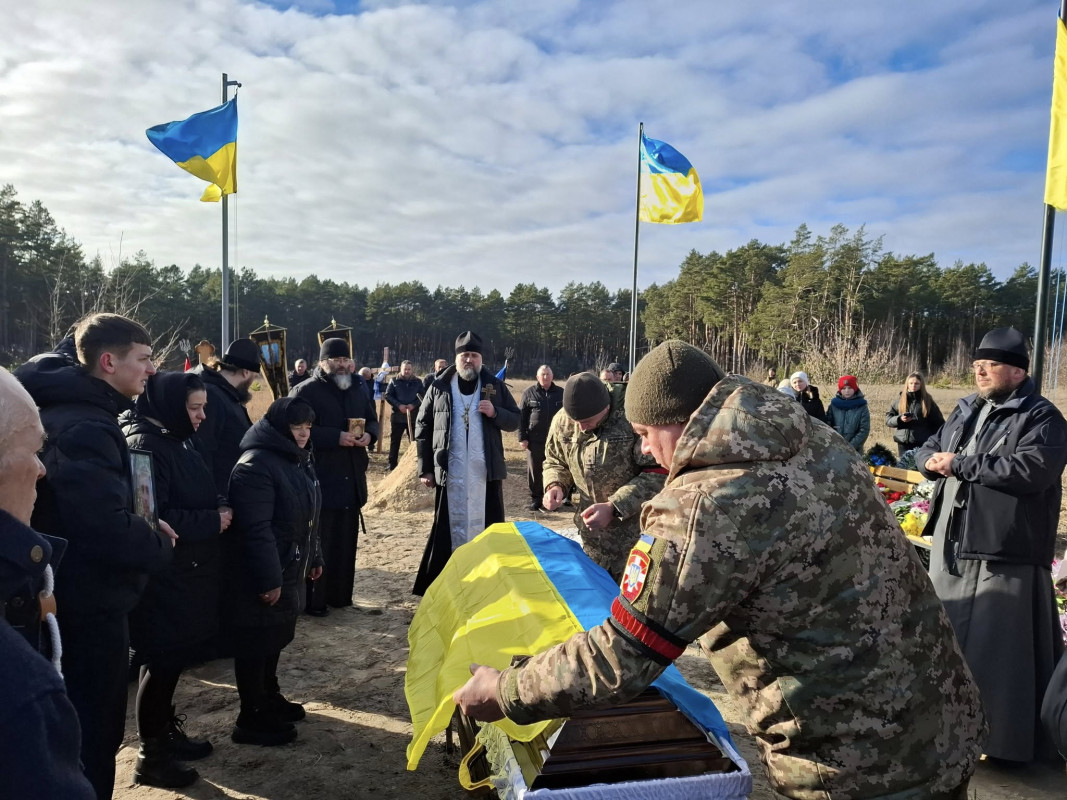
{"x":285,"y":710}
{"x":157,"y":766}
{"x":260,"y":726}
{"x":317,"y":612}
{"x":180,"y":744}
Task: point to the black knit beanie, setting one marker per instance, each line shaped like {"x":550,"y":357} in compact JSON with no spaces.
{"x":670,"y":383}
{"x":1005,"y":345}
{"x":585,"y":396}
{"x":334,"y":348}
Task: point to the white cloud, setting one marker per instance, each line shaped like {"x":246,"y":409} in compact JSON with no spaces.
{"x":488,"y":143}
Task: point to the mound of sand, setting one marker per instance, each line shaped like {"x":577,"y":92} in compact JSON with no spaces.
{"x":401,"y":490}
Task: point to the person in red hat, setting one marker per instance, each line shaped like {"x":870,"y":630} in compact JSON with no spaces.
{"x":848,"y":413}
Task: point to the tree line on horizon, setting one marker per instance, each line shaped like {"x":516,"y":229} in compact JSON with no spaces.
{"x":830,"y":304}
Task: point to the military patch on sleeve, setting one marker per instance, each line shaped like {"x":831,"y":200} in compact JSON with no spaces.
{"x":637,"y":567}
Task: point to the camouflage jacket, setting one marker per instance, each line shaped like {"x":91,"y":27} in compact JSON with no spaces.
{"x":606,"y":465}
{"x":771,"y":545}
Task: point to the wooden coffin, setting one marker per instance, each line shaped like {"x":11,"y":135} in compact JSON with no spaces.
{"x":645,"y":739}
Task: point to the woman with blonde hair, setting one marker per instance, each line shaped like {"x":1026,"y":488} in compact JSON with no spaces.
{"x":915,"y":415}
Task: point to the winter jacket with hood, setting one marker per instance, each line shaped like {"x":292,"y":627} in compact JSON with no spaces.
{"x":771,"y":545}
{"x":218,"y":440}
{"x":179,"y":608}
{"x":851,"y":418}
{"x":87,"y":495}
{"x":274,"y":538}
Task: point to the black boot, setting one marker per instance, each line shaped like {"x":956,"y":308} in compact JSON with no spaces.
{"x":181,"y":745}
{"x":283,"y":709}
{"x":260,"y":726}
{"x":157,"y":766}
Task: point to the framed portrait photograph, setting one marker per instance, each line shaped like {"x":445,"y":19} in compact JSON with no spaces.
{"x":144,"y":487}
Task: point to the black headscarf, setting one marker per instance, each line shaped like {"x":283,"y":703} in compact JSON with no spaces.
{"x":164,"y":400}
{"x":286,"y":411}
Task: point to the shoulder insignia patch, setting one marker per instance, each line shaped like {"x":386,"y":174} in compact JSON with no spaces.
{"x":637,"y":566}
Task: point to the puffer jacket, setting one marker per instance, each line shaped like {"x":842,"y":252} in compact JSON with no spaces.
{"x":180,"y":606}
{"x":851,"y":418}
{"x":274,"y":538}
{"x":87,"y":495}
{"x":433,"y":426}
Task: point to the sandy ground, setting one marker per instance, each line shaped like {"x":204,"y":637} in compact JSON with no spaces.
{"x":348,"y":670}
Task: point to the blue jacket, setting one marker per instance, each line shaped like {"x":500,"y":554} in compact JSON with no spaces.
{"x":851,"y":418}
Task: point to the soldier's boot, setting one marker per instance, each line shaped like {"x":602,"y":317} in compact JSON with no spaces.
{"x":261,"y":726}
{"x":157,"y":766}
{"x":183,"y":746}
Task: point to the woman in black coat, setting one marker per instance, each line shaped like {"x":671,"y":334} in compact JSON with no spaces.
{"x":178,"y":612}
{"x":915,"y":415}
{"x":270,"y":550}
{"x":807,"y":395}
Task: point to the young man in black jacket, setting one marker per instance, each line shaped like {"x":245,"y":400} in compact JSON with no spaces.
{"x":87,"y":498}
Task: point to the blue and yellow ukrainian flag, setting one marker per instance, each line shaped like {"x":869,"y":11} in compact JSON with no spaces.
{"x":516,"y":589}
{"x":670,"y":187}
{"x":205,"y":144}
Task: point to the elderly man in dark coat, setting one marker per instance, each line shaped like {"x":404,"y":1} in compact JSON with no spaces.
{"x":461,"y":453}
{"x":39,"y":733}
{"x":341,"y":459}
{"x":998,"y":461}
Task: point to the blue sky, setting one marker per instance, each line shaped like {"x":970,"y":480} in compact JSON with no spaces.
{"x":491,"y":143}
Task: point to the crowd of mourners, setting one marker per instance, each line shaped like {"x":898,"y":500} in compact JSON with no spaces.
{"x":169,"y":529}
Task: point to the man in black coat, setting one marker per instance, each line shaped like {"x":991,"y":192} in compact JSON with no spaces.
{"x":341,"y":462}
{"x":461,"y":453}
{"x":299,"y":374}
{"x":87,"y":498}
{"x":39,"y":733}
{"x":403,"y":397}
{"x":438,"y":366}
{"x":998,"y":460}
{"x":218,"y":440}
{"x":538,"y":405}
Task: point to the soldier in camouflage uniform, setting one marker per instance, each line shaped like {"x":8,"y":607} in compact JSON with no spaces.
{"x":592,"y":447}
{"x":771,"y":545}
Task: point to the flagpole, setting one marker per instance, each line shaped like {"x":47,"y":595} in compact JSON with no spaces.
{"x":1037,"y":367}
{"x":226,"y":84}
{"x":637,"y":233}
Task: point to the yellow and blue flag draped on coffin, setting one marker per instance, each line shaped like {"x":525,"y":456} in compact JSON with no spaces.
{"x":516,"y":589}
{"x":205,"y":145}
{"x":1056,"y":173}
{"x":670,"y":187}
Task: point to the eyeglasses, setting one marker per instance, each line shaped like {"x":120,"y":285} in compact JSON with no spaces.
{"x":339,"y":360}
{"x":986,"y":366}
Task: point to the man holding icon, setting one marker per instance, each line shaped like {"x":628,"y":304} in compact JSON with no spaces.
{"x":345,"y":428}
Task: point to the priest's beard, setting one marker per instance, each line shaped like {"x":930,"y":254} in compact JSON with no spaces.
{"x":343,"y":380}
{"x":467,"y":373}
